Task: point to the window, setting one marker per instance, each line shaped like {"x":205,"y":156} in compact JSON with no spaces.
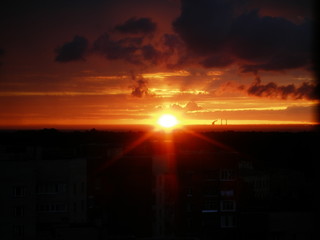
{"x":227,"y":174}
{"x":51,"y":188}
{"x":74,"y":207}
{"x":228,"y":206}
{"x":75,"y":189}
{"x":189,"y":222}
{"x":18,"y":231}
{"x":82,"y":187}
{"x":189,"y":191}
{"x":52,"y":208}
{"x":227,"y":193}
{"x":18,"y":211}
{"x":19,"y":191}
{"x":227,"y":221}
{"x":189,"y":207}
{"x":82,"y":205}
{"x":210,"y":205}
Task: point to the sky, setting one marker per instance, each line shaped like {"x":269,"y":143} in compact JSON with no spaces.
{"x":95,"y":62}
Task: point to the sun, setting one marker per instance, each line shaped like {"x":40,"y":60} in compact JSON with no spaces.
{"x":167,"y":121}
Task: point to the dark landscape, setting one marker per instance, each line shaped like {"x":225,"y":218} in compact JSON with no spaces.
{"x":95,"y":184}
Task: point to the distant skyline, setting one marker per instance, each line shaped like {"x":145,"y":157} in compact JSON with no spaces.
{"x":82,"y":62}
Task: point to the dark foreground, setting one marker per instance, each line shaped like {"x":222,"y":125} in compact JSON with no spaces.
{"x":156,"y":185}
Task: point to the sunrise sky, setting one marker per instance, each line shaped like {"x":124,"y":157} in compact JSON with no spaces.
{"x":94,"y":62}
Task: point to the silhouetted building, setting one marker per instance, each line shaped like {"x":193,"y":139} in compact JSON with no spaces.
{"x":40,"y":193}
{"x":106,"y":185}
{"x":208,"y":196}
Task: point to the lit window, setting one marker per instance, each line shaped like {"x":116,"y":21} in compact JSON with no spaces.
{"x":227,"y":193}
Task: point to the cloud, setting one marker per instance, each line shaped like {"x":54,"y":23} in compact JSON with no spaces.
{"x":137,"y":50}
{"x":189,"y":107}
{"x":125,"y":49}
{"x":203,"y":25}
{"x":292,"y":114}
{"x":131,"y":50}
{"x":221,"y":34}
{"x":218,"y":60}
{"x":304,"y":91}
{"x":172,"y":42}
{"x":192,"y":106}
{"x":139,"y":87}
{"x":271,"y":43}
{"x":151,"y":54}
{"x":72,"y":51}
{"x":176,"y":107}
{"x":294,"y":10}
{"x":137,"y":26}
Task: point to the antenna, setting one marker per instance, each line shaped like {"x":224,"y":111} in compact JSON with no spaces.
{"x":226,"y":121}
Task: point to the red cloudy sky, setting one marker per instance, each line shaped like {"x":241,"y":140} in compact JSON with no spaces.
{"x":82,"y":62}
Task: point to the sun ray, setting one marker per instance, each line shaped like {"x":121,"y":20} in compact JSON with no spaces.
{"x":130,"y":147}
{"x":209,"y":140}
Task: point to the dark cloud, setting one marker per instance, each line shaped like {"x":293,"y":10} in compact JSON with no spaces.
{"x":304,"y":91}
{"x":174,"y":51}
{"x":271,"y":43}
{"x":221,"y":34}
{"x":294,"y":10}
{"x":72,"y":51}
{"x":137,"y":50}
{"x":137,"y":26}
{"x":218,"y":60}
{"x":204,"y":25}
{"x":131,"y":50}
{"x":139,"y":87}
{"x":172,"y":42}
{"x":125,"y":49}
{"x":151,"y":54}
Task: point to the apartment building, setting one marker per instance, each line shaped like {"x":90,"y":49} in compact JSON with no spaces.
{"x":39,"y":192}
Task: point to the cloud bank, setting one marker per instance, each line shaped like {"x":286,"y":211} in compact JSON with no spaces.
{"x":210,"y":34}
{"x":216,"y":31}
{"x":273,"y":90}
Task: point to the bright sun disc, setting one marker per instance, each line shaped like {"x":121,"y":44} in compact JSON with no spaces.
{"x":167,"y":121}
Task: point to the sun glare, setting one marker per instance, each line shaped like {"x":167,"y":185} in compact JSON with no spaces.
{"x":167,"y":121}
